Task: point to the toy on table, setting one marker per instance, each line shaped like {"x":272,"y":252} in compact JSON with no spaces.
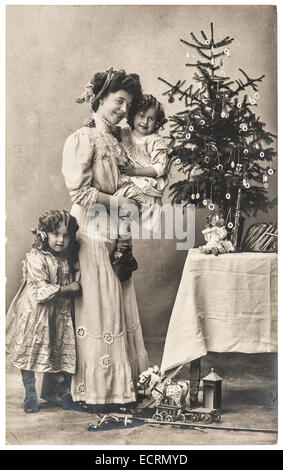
{"x":215,"y":235}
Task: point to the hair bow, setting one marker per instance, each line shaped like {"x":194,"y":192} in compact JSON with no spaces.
{"x":88,"y":96}
{"x":41,"y":233}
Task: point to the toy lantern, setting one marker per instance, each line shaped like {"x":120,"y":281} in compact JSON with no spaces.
{"x":212,"y":384}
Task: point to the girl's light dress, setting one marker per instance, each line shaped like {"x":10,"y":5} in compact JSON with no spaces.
{"x":144,"y":151}
{"x":110,"y":347}
{"x":40,"y":333}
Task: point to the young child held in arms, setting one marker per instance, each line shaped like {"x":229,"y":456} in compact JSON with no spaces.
{"x":143,"y":177}
{"x":40,"y":333}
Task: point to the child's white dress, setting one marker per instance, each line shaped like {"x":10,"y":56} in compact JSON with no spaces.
{"x":40,"y":332}
{"x":144,"y":151}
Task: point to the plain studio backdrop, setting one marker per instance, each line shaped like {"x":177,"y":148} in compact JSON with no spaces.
{"x":53,"y":52}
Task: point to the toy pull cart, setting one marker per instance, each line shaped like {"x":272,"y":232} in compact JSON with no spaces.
{"x":170,"y":398}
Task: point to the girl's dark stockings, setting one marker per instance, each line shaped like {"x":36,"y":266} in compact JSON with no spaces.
{"x":31,"y":399}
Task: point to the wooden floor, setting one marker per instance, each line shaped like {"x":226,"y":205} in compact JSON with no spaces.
{"x":249,"y":401}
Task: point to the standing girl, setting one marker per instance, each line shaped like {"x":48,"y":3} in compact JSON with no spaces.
{"x":40,"y":334}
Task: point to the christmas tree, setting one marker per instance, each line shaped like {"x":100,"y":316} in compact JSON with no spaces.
{"x":217,"y":141}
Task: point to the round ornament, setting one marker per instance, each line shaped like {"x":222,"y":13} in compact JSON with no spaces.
{"x":265,"y":178}
{"x":204,"y":202}
{"x":219,"y":167}
{"x":265,"y":185}
{"x":247,"y":185}
{"x":197,"y":195}
{"x":270,"y":171}
{"x":246,"y":151}
{"x":230,"y":225}
{"x":188,"y":136}
{"x":261,"y":154}
{"x":206,"y":159}
{"x":227,"y":51}
{"x":252,"y":101}
{"x":193,"y":196}
{"x":232,"y":164}
{"x":211,"y":206}
{"x":178,"y":161}
{"x":244,"y":128}
{"x":202,"y":122}
{"x":207,"y":42}
{"x":223,"y":114}
{"x":228,"y":196}
{"x":239,"y":105}
{"x":191,"y":128}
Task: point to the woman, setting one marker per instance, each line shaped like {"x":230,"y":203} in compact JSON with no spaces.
{"x":110,"y":347}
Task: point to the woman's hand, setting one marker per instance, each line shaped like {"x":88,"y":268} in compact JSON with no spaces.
{"x":125,"y":200}
{"x":128,"y":170}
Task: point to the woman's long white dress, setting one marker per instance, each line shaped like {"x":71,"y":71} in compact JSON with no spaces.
{"x":110,"y":346}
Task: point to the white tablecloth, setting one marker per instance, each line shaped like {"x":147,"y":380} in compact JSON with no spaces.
{"x":226,"y":303}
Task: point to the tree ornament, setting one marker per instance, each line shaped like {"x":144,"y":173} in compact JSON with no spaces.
{"x":211,"y":206}
{"x":230,"y":225}
{"x":178,"y":161}
{"x":244,"y":128}
{"x":228,"y":196}
{"x":246,"y":151}
{"x":193,"y":196}
{"x":191,"y":128}
{"x":219,"y":167}
{"x":247,"y":185}
{"x":270,"y":171}
{"x":252,"y":101}
{"x":197,"y":195}
{"x":207,"y":42}
{"x":223,"y":114}
{"x":232,"y":164}
{"x":239,"y":105}
{"x":227,"y":51}
{"x":202,"y":122}
{"x":265,"y":178}
{"x":265,"y":185}
{"x":188,"y":136}
{"x":205,"y":201}
{"x":206,"y":159}
{"x":261,"y":154}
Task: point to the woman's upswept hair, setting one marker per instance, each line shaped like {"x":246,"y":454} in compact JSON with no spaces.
{"x":50,"y":222}
{"x":120,"y":80}
{"x":146,"y":102}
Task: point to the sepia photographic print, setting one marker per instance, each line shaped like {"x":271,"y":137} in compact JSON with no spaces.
{"x":141,"y":226}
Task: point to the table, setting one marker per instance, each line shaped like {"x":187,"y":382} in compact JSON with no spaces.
{"x":225,"y":303}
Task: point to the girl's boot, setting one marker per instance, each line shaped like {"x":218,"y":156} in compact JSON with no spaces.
{"x":31,"y":399}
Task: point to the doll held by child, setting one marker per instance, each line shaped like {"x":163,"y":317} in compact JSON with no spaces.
{"x":40,"y":333}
